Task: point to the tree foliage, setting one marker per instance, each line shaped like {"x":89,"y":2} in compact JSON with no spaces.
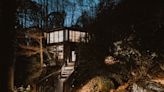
{"x":131,"y":32}
{"x":143,"y":18}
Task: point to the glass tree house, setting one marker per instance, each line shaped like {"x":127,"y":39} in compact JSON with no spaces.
{"x":62,"y":44}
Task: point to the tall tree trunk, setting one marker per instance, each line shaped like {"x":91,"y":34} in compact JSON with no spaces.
{"x":73,"y":13}
{"x":46,"y":14}
{"x":25,"y":17}
{"x":7,"y":49}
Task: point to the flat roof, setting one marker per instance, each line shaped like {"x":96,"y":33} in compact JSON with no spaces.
{"x":64,"y":28}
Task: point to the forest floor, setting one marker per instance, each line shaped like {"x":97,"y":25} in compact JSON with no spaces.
{"x":110,"y":78}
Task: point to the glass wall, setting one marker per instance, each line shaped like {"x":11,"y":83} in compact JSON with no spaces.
{"x":77,"y":36}
{"x":72,"y":36}
{"x":82,"y":36}
{"x":60,"y":36}
{"x":51,"y":37}
{"x":55,"y":37}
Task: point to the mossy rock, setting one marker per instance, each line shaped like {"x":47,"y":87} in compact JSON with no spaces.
{"x":97,"y":84}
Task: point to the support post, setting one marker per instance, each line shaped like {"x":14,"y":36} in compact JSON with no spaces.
{"x":41,"y":52}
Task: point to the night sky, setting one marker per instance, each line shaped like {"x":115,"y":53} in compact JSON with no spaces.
{"x":78,"y":10}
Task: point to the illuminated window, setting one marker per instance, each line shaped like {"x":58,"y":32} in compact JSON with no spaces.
{"x":83,"y":36}
{"x":87,"y":37}
{"x":73,"y":56}
{"x":60,"y":38}
{"x":74,"y":36}
{"x":55,"y":36}
{"x":77,"y":36}
{"x":71,"y":36}
{"x":51,"y":38}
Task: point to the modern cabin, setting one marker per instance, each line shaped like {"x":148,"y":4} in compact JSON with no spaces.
{"x":62,"y":44}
